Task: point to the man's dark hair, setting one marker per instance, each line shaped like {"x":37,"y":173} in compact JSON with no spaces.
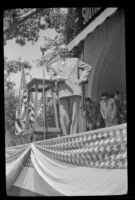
{"x":88,"y":99}
{"x":116,"y":92}
{"x":104,"y":94}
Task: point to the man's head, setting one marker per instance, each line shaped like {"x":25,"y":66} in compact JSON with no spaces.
{"x":104,"y":96}
{"x":117,"y":95}
{"x":87,"y":100}
{"x":63,"y":51}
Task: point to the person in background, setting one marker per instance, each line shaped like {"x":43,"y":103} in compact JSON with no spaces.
{"x":103,"y":106}
{"x":93,"y":115}
{"x":119,"y":115}
{"x":108,"y":109}
{"x":69,"y":73}
{"x":124,"y":109}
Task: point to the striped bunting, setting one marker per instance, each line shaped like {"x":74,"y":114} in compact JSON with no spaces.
{"x":24,"y":104}
{"x":92,"y":163}
{"x":21,"y":114}
{"x":31,"y":111}
{"x":18,"y":126}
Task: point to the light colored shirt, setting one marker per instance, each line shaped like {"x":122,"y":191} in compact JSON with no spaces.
{"x":108,"y":109}
{"x":69,"y":69}
{"x":103,"y":109}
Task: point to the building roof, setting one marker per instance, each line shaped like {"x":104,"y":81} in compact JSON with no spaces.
{"x":83,"y":34}
{"x":91,"y":27}
{"x":32,"y":84}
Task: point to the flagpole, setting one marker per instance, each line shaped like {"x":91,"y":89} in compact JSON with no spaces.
{"x":21,"y":88}
{"x":21,"y":93}
{"x":44,"y":106}
{"x":20,"y":97}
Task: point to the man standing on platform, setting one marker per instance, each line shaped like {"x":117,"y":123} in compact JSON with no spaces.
{"x":69,"y":73}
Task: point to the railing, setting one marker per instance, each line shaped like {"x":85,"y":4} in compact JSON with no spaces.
{"x":104,"y":148}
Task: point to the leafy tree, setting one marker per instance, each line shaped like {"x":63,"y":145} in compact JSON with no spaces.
{"x":25,"y":24}
{"x":10,"y":109}
{"x":72,"y":27}
{"x":49,"y":112}
{"x":10,"y":100}
{"x":13,"y":66}
{"x":53,"y":46}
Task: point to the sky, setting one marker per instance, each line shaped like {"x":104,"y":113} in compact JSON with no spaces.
{"x":28,"y":53}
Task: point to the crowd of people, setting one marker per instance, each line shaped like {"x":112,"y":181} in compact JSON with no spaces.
{"x":109,"y":111}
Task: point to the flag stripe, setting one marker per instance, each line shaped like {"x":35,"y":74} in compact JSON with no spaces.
{"x":31,"y":111}
{"x":22,"y":106}
{"x":21,"y":114}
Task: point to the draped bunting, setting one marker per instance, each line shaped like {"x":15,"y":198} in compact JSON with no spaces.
{"x":89,"y":163}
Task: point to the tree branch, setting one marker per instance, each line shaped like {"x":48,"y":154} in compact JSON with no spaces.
{"x":25,"y":16}
{"x":9,"y":26}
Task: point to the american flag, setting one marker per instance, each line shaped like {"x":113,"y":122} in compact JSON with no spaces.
{"x":19,"y":126}
{"x":21,"y":114}
{"x":31,"y":111}
{"x":22,"y":106}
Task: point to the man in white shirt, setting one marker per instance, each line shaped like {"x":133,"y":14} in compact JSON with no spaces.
{"x":69,"y":73}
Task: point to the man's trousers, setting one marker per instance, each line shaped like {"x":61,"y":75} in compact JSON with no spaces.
{"x":69,"y":113}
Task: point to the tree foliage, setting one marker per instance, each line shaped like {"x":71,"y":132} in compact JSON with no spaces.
{"x":10,"y":109}
{"x":13,"y":66}
{"x":51,"y":48}
{"x":25,"y":24}
{"x":72,"y":27}
{"x":50,"y":116}
{"x":11,"y":101}
{"x":73,"y":24}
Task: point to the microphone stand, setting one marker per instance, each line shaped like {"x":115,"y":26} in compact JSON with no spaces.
{"x":44,"y":103}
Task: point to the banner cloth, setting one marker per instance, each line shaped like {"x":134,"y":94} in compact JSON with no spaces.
{"x":84,"y":164}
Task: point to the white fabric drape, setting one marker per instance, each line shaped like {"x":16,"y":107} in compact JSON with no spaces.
{"x":44,"y":169}
{"x":14,"y":165}
{"x":79,"y":181}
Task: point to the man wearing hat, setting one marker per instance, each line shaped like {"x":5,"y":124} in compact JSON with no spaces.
{"x":69,"y":73}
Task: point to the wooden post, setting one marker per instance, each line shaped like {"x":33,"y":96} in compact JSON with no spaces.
{"x":84,"y":95}
{"x":27,"y":117}
{"x":35,"y":106}
{"x":43,"y":49}
{"x":44,"y":102}
{"x":55,"y":110}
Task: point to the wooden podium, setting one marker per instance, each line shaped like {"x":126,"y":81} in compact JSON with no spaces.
{"x":51,"y":126}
